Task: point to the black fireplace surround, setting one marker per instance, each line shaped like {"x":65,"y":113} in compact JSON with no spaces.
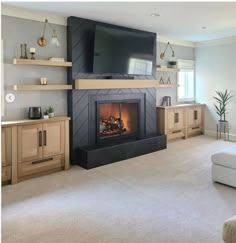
{"x":88,"y":148}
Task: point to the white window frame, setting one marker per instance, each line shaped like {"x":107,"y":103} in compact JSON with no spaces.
{"x":184,"y":64}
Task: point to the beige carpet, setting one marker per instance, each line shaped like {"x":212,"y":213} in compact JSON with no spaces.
{"x":162,"y":197}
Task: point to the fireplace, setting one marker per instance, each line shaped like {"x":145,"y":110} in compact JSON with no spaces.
{"x":117,"y":119}
{"x":113,"y":125}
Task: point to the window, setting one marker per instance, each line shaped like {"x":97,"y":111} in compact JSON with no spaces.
{"x":186,"y":81}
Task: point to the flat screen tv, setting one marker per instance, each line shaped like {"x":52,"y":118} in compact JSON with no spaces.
{"x":119,"y":50}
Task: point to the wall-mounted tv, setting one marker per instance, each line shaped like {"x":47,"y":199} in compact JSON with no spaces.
{"x":119,"y":50}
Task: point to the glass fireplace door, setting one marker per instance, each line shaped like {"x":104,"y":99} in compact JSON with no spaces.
{"x":117,"y":119}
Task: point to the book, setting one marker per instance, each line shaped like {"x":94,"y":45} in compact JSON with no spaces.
{"x":57,"y":59}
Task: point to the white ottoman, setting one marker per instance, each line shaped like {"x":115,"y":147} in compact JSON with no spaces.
{"x":224,"y":167}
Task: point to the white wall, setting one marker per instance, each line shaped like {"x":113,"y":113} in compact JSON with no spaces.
{"x":216,"y":70}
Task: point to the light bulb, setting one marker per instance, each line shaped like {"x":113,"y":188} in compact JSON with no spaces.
{"x":54,"y":41}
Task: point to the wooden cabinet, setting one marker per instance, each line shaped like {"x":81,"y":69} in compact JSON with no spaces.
{"x":53,"y":138}
{"x":195,"y":120}
{"x":174,"y":123}
{"x":38,"y":147}
{"x":6,"y":146}
{"x":180,"y":121}
{"x":29,"y":142}
{"x":6,"y":154}
{"x":40,"y":140}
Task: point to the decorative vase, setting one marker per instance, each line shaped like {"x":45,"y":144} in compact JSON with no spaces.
{"x":51,"y":115}
{"x":45,"y":116}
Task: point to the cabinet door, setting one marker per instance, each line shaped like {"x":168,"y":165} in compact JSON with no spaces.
{"x":53,"y":138}
{"x":175,"y":119}
{"x":179,"y":119}
{"x":194,"y":117}
{"x":170,"y":120}
{"x":29,"y":142}
{"x":6,"y":146}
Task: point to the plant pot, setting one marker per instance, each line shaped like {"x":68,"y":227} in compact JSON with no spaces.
{"x":172,"y":64}
{"x":46,"y":117}
{"x":51,"y":115}
{"x":222,"y":126}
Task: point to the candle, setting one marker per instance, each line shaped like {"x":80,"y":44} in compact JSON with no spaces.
{"x":32,"y":50}
{"x":43,"y":80}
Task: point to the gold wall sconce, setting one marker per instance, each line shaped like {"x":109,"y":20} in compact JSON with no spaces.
{"x":162,"y":55}
{"x":54,"y":40}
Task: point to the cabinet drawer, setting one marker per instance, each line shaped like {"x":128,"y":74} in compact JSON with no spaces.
{"x":195,"y":130}
{"x":175,"y":135}
{"x":6,"y":173}
{"x":37,"y":166}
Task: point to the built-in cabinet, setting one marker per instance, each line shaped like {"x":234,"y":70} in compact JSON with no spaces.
{"x":6,"y":154}
{"x":40,"y":146}
{"x":180,"y":121}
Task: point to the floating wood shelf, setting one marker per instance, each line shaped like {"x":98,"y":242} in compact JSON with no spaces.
{"x":174,"y":70}
{"x":115,"y":83}
{"x":41,"y":62}
{"x":42,"y":87}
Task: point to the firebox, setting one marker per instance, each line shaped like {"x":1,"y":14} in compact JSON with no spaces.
{"x":117,"y":119}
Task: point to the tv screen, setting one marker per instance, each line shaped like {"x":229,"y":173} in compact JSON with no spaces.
{"x":123,"y":51}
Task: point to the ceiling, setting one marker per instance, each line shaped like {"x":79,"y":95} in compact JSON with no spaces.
{"x":180,"y":20}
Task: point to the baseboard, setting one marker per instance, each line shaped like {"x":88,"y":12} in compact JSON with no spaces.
{"x":211,"y":133}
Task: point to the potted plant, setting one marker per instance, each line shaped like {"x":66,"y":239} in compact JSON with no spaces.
{"x":172,"y":64}
{"x":45,"y":115}
{"x":50,"y":111}
{"x":222,"y":99}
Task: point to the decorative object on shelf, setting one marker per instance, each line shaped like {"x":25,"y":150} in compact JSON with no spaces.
{"x":54,"y":40}
{"x":35,"y":112}
{"x":50,"y":111}
{"x":172,"y":64}
{"x":45,"y":115}
{"x":32,"y":52}
{"x":25,"y":57}
{"x":161,"y":80}
{"x":222,"y":99}
{"x":168,"y":80}
{"x":57,"y":59}
{"x":43,"y":80}
{"x":166,"y":101}
{"x":162,"y":55}
{"x":10,"y":98}
{"x":21,"y":51}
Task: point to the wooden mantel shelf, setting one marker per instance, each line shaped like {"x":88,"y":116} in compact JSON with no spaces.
{"x":41,"y":62}
{"x":115,"y":83}
{"x":41,"y":87}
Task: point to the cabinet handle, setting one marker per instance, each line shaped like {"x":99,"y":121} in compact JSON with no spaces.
{"x":40,"y":138}
{"x":45,"y":137}
{"x":195,"y":115}
{"x":195,"y":128}
{"x":176,"y":117}
{"x":176,"y":131}
{"x":41,"y":161}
